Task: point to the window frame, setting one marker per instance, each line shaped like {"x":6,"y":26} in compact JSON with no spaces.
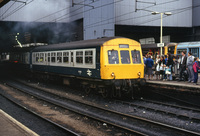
{"x":138,"y":52}
{"x":128,"y":56}
{"x":113,"y":57}
{"x":71,"y":58}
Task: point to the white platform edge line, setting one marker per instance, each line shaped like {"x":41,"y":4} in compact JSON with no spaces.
{"x":29,"y":131}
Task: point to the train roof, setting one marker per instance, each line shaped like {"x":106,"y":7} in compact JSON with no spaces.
{"x":154,"y":45}
{"x":188,"y":44}
{"x":147,"y":46}
{"x":74,"y":45}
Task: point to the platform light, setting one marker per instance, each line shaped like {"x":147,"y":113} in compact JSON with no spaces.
{"x":161,"y":25}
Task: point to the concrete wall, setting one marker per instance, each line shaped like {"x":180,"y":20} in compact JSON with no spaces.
{"x":196,"y":13}
{"x":181,"y":13}
{"x":76,"y":9}
{"x":99,"y":21}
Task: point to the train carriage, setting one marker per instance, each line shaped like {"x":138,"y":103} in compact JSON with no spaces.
{"x":112,"y":65}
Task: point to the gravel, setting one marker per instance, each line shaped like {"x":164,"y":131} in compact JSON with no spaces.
{"x":39,"y":126}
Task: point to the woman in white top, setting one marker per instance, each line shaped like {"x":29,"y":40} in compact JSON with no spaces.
{"x":157,"y":67}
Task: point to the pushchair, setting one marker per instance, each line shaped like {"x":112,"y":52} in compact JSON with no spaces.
{"x":185,"y":75}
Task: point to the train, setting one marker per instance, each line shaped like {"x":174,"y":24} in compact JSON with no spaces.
{"x":154,"y":50}
{"x":174,"y":48}
{"x":113,"y":66}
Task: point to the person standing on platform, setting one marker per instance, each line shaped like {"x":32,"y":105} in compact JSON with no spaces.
{"x":189,"y":67}
{"x":166,"y":59}
{"x":182,"y":65}
{"x":149,"y":64}
{"x":157,"y":68}
{"x":162,"y":67}
{"x":196,"y":67}
{"x":169,"y":64}
{"x":145,"y":68}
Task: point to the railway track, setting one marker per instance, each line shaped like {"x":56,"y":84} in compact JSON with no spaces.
{"x":54,"y":124}
{"x":133,"y":124}
{"x":177,"y":100}
{"x":145,"y":104}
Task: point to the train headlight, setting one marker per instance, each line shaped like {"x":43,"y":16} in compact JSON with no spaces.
{"x":113,"y":74}
{"x":139,"y":74}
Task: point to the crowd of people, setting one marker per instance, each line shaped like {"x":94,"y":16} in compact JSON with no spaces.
{"x":164,"y":66}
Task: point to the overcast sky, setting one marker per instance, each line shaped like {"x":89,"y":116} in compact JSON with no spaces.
{"x":36,"y":9}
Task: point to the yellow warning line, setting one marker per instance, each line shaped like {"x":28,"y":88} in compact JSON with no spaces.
{"x":30,"y":132}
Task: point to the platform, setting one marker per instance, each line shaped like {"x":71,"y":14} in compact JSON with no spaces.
{"x":175,"y":85}
{"x":11,"y":127}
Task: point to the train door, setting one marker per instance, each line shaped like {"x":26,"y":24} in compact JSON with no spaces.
{"x":48,"y":58}
{"x":72,"y":58}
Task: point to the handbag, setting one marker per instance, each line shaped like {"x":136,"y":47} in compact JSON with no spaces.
{"x":168,"y":71}
{"x":157,"y":67}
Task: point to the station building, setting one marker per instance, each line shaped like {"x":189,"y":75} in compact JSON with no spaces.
{"x":133,"y":18}
{"x":91,"y":19}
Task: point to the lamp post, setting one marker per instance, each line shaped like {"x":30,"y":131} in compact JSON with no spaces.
{"x":161,"y":26}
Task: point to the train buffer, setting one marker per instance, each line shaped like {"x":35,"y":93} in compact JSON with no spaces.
{"x":11,"y":127}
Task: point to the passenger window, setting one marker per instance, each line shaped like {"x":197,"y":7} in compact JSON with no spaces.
{"x":66,"y":57}
{"x":53,"y":57}
{"x":136,"y":57}
{"x":125,"y":57}
{"x":41,"y":57}
{"x":194,"y":51}
{"x":113,"y":57}
{"x":59,"y":57}
{"x":79,"y":57}
{"x":88,"y":57}
{"x":37,"y":59}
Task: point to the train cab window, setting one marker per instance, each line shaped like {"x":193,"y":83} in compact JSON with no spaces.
{"x":37,"y":58}
{"x":136,"y":58}
{"x":66,"y":57}
{"x":53,"y":57}
{"x":171,"y":49}
{"x":49,"y":56}
{"x":113,"y":57}
{"x":59,"y":57}
{"x":88,"y":57}
{"x":125,"y":57}
{"x":79,"y":57}
{"x":41,"y":57}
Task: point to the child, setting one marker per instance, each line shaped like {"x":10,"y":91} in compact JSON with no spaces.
{"x":196,"y":68}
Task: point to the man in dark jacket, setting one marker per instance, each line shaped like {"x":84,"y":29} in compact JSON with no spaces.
{"x":182,"y":65}
{"x":149,"y":64}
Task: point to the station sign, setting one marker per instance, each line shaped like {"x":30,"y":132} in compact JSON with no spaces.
{"x":160,"y":44}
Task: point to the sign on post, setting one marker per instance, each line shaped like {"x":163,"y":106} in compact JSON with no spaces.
{"x":160,"y":44}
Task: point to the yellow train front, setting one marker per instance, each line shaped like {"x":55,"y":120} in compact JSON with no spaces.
{"x":121,"y":67}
